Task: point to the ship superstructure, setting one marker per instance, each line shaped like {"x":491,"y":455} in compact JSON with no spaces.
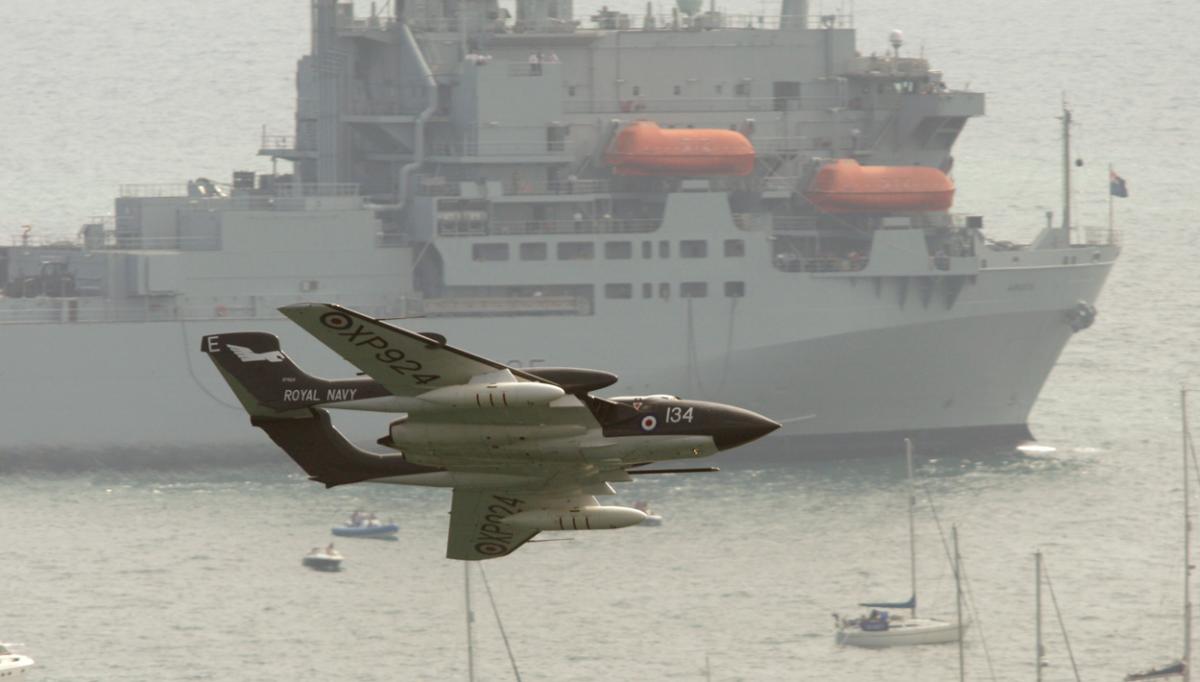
{"x":740,"y":208}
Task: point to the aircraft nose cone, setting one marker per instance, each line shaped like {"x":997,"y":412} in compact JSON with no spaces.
{"x":739,"y":427}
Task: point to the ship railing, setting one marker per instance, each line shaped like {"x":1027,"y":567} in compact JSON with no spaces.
{"x":375,"y":107}
{"x":154,"y":190}
{"x":512,"y":305}
{"x":888,"y":66}
{"x":588,"y":186}
{"x":531,"y":68}
{"x":583,"y":225}
{"x":277,"y":141}
{"x":793,"y":262}
{"x":713,"y":20}
{"x":70,"y":310}
{"x":1099,"y":235}
{"x":316,"y":189}
{"x":794,"y":223}
{"x":732,"y":103}
{"x":438,"y":187}
{"x":531,"y":148}
{"x":776,"y":145}
{"x":781,"y":183}
{"x":433,"y":24}
{"x":365,"y":24}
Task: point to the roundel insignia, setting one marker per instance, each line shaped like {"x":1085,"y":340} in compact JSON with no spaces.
{"x":491,"y":548}
{"x":649,"y":422}
{"x":336,"y":320}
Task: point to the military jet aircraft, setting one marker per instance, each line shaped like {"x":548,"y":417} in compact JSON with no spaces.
{"x":524,"y":450}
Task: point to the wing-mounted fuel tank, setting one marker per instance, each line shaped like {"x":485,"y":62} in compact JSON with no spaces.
{"x":499,"y":394}
{"x":579,"y":518}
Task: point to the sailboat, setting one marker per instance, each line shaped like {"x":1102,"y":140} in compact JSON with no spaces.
{"x":880,"y":628}
{"x":1180,"y":669}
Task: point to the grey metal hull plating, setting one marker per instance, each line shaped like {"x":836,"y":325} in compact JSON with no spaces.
{"x":844,"y":362}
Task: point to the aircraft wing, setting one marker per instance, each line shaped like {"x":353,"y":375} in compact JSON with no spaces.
{"x":478,"y":529}
{"x":404,"y":362}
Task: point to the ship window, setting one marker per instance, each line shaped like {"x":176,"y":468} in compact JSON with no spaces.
{"x":576,"y":250}
{"x":735,"y":289}
{"x":618,"y":250}
{"x":637,"y":90}
{"x":664,"y":291}
{"x":570,"y":91}
{"x":720,"y":87}
{"x":647,"y":249}
{"x":618,"y":291}
{"x":742,"y":89}
{"x":664,"y":249}
{"x":678,"y":90}
{"x":533,"y":251}
{"x":735,"y":248}
{"x":489,"y":251}
{"x":693,"y":289}
{"x":647,"y":290}
{"x":693,"y":248}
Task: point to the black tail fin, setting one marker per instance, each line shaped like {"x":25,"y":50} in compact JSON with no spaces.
{"x":269,"y":384}
{"x":326,"y":455}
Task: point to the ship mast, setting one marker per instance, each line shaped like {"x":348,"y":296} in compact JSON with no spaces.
{"x":1066,"y":161}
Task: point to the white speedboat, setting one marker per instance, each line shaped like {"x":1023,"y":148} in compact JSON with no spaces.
{"x":328,"y":559}
{"x":883,"y":631}
{"x":13,"y":664}
{"x":651,"y":519}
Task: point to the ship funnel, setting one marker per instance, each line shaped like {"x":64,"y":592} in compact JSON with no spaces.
{"x":793,"y":14}
{"x":689,"y":7}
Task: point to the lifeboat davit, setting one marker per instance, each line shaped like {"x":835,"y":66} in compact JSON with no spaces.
{"x":846,"y":187}
{"x":643,"y":148}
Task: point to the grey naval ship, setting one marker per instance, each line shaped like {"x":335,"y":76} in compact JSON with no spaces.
{"x":736,"y":208}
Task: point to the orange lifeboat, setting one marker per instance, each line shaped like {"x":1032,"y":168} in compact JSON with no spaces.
{"x":846,"y":187}
{"x":642,"y":148}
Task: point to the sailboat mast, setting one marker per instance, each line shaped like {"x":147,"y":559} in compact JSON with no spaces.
{"x":1187,"y":545}
{"x":470,"y":620}
{"x":912,"y":533}
{"x":1037,"y":561}
{"x":962,"y":666}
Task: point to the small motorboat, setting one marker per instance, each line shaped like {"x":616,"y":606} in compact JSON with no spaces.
{"x":328,"y":559}
{"x":362,"y":525}
{"x":12,"y":663}
{"x":651,"y":519}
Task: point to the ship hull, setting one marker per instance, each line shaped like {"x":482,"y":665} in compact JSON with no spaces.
{"x":952,"y":377}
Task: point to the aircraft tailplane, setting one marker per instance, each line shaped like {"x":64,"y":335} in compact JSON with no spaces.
{"x":268,"y":383}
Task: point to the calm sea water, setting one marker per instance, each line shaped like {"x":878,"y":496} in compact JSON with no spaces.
{"x":197,"y":576}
